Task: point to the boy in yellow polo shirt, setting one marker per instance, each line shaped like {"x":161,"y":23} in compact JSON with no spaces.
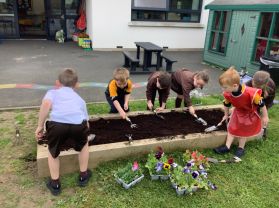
{"x":118,"y":92}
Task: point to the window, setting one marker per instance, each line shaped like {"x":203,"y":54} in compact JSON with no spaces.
{"x":166,"y":10}
{"x":267,"y":39}
{"x":219,"y":31}
{"x":7,"y":7}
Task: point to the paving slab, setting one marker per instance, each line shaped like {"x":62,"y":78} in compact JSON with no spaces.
{"x":38,"y":63}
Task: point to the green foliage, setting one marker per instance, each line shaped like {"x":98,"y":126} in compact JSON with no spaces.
{"x":193,"y":174}
{"x":251,"y":183}
{"x":152,"y":162}
{"x":128,"y":173}
{"x":4,"y":142}
{"x":20,"y":119}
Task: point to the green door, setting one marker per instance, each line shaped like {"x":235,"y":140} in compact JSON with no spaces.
{"x":242,"y":37}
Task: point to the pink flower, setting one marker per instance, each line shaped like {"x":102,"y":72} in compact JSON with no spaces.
{"x":135,"y":166}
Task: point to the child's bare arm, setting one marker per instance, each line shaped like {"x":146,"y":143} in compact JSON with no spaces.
{"x":126,"y":102}
{"x":119,"y":109}
{"x":265,"y":118}
{"x":44,"y":110}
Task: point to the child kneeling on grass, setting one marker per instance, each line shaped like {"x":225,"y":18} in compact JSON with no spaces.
{"x":68,"y":120}
{"x":244,"y":121}
{"x":118,"y":92}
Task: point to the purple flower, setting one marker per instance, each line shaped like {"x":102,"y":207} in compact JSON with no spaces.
{"x":159,"y":166}
{"x":201,"y":167}
{"x":203,"y":173}
{"x":195,"y":174}
{"x":186,"y":170}
{"x":174,"y":165}
{"x":158,"y":155}
{"x":212,"y":185}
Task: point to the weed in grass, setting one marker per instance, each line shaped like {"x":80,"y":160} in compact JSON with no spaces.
{"x":4,"y":142}
{"x":20,"y":118}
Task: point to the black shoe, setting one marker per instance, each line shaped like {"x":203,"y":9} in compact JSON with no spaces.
{"x":83,"y":181}
{"x":55,"y":190}
{"x":239,"y":152}
{"x":222,"y":149}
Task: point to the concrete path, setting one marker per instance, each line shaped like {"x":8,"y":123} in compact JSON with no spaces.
{"x":39,"y":62}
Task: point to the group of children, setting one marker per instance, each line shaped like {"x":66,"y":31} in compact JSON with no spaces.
{"x":181,"y":82}
{"x":69,"y":117}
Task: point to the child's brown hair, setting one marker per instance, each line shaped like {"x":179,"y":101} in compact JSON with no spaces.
{"x":121,"y":74}
{"x":164,"y":80}
{"x":203,"y":75}
{"x":229,"y":77}
{"x":260,"y":78}
{"x":68,"y":78}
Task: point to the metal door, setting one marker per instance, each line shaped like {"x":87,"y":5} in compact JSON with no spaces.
{"x":8,"y":19}
{"x":60,"y":15}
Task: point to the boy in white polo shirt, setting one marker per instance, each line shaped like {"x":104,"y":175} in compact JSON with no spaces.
{"x":68,"y":120}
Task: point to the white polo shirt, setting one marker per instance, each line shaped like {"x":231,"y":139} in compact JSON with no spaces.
{"x":67,"y":106}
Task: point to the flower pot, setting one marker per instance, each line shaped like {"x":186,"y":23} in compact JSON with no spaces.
{"x":174,"y":185}
{"x":164,"y":177}
{"x":161,"y":177}
{"x":127,"y":186}
{"x":154,"y":177}
{"x":180,"y":191}
{"x":194,"y":189}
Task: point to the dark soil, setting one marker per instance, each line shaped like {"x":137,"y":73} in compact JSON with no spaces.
{"x":150,"y":126}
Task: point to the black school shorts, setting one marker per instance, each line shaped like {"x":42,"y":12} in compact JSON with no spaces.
{"x":58,"y":134}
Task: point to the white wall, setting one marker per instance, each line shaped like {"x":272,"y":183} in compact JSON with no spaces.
{"x":89,"y":18}
{"x":108,"y":26}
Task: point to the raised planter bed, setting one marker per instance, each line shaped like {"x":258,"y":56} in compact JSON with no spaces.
{"x":177,"y":132}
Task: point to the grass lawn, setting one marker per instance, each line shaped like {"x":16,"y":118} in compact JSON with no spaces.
{"x":251,"y":183}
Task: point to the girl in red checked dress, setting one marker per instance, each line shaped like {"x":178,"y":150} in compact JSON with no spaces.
{"x":245,"y":121}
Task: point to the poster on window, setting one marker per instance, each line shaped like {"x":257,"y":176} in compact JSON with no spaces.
{"x":161,"y":4}
{"x":25,"y":5}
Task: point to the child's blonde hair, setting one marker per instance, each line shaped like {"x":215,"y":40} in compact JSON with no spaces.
{"x":121,"y":74}
{"x":68,"y":78}
{"x":260,"y":78}
{"x":229,"y":77}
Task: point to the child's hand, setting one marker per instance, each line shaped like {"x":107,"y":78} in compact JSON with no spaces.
{"x":126,"y":106}
{"x":150,"y":105}
{"x":192,"y":110}
{"x":265,"y":121}
{"x":39,"y":132}
{"x":159,"y":109}
{"x":225,"y":118}
{"x":123,"y":115}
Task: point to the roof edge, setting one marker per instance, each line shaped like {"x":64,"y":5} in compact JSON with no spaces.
{"x":247,"y":7}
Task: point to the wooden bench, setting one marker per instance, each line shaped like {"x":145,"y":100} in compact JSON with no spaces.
{"x":169,"y":61}
{"x":130,"y":61}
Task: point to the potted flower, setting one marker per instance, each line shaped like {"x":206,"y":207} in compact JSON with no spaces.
{"x":197,"y":158}
{"x":192,"y":176}
{"x":130,"y":175}
{"x":159,"y":165}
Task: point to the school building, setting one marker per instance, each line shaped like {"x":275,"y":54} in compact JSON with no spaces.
{"x":176,"y":24}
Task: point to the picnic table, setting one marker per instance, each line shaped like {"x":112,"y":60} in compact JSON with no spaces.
{"x":149,"y":48}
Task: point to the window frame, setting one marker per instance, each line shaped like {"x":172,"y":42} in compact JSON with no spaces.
{"x":166,"y":12}
{"x":269,"y":39}
{"x":219,"y":31}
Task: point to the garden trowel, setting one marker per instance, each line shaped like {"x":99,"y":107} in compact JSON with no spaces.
{"x":264,"y":133}
{"x":156,"y":114}
{"x":214,"y":128}
{"x":200,"y":120}
{"x":235,"y":159}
